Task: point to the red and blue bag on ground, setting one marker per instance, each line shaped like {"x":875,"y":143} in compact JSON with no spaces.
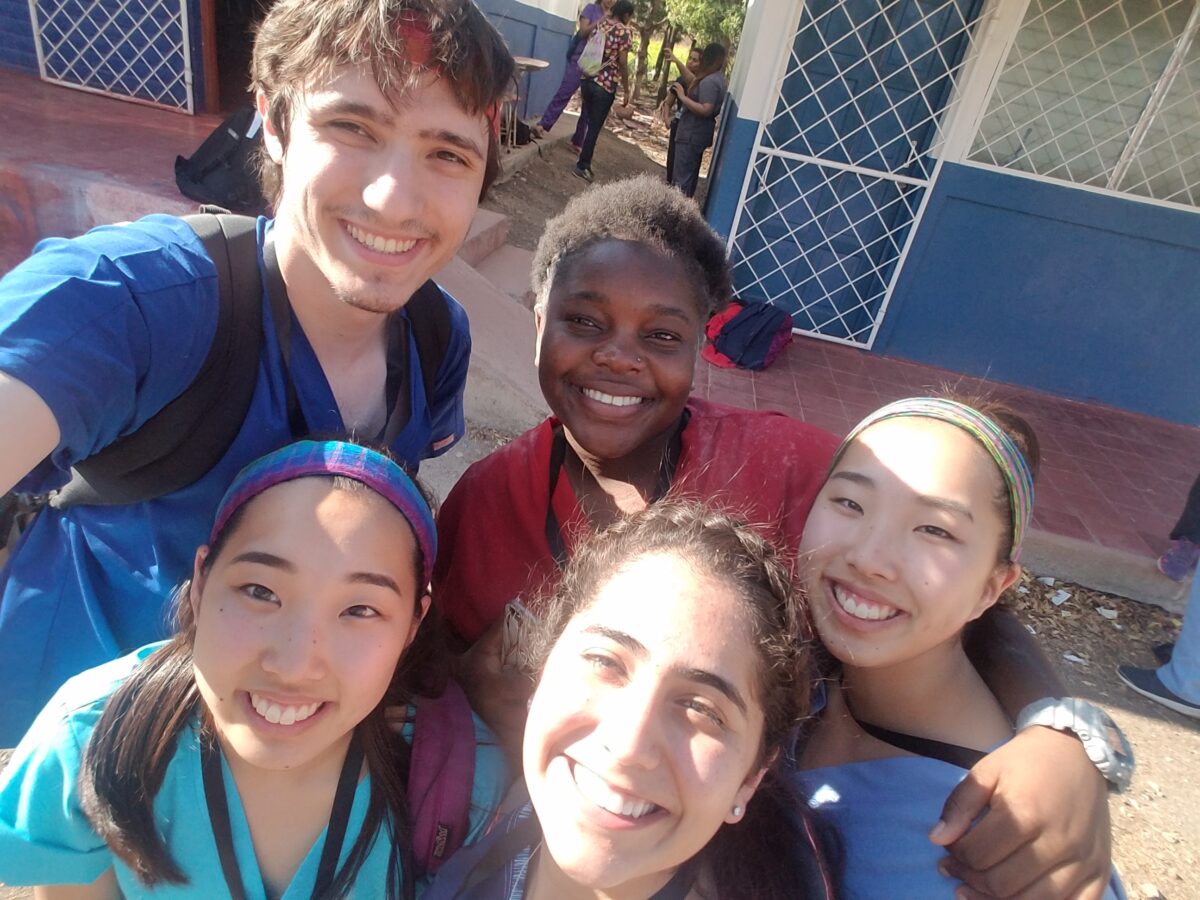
{"x":747,"y":335}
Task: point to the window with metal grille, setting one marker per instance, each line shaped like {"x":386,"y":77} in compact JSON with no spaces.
{"x":1101,"y":93}
{"x":126,"y":48}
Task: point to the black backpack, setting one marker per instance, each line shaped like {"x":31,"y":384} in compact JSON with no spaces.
{"x":187,"y":437}
{"x":223,"y":170}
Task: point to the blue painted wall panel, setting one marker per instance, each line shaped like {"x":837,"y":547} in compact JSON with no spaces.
{"x":16,"y":36}
{"x":534,"y":32}
{"x":1078,"y":293}
{"x":733,"y":157}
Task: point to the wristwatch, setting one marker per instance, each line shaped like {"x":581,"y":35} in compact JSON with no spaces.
{"x":1103,"y":741}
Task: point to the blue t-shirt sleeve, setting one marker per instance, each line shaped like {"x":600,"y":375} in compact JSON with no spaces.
{"x":109,"y":327}
{"x":44,"y":836}
{"x":447,"y":419}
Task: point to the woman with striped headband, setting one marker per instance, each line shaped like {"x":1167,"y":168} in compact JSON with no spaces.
{"x":916,"y":533}
{"x":250,"y":755}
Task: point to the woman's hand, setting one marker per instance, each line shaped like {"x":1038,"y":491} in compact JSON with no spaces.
{"x":1042,"y":829}
{"x":499,"y":694}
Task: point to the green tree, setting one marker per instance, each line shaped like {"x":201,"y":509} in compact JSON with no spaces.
{"x":650,"y":16}
{"x":709,"y":20}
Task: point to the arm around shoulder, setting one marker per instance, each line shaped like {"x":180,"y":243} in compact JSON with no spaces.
{"x":1032,"y":815}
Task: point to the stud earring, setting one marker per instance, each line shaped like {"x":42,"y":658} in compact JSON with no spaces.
{"x":737,"y":811}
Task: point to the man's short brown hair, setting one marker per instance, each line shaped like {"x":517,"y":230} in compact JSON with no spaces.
{"x":301,"y":43}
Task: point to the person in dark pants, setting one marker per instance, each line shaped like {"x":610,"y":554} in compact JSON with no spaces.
{"x":687,"y":74}
{"x":588,"y":17}
{"x":600,"y":90}
{"x":1176,"y":682}
{"x":1184,"y":551}
{"x":701,"y":104}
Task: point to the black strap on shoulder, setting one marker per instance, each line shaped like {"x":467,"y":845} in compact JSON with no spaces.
{"x":963,"y":757}
{"x":335,"y":831}
{"x":184,"y":440}
{"x":429,"y":315}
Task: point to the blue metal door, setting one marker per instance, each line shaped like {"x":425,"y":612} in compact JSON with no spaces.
{"x":842,"y":167}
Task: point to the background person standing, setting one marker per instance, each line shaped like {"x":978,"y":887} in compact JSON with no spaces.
{"x":588,"y":19}
{"x":698,"y":125}
{"x":671,"y":107}
{"x":600,"y":91}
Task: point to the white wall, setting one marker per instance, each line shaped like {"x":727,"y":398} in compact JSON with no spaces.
{"x":762,"y":52}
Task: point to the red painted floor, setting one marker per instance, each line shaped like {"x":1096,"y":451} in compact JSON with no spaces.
{"x":1110,"y":477}
{"x":68,"y":155}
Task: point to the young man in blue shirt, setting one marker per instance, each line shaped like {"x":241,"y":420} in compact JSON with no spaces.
{"x":380,"y":139}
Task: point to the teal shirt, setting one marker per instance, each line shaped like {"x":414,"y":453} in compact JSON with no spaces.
{"x":46,"y":839}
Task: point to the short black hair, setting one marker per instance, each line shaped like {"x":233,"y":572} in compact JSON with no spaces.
{"x":622,"y":9}
{"x":713,"y":57}
{"x":643,"y":210}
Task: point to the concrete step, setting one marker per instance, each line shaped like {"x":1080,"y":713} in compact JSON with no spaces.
{"x":502,"y":385}
{"x":508,"y":269}
{"x":488,"y":232}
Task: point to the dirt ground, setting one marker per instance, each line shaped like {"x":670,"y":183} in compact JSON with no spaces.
{"x":1156,"y":822}
{"x":543,"y":187}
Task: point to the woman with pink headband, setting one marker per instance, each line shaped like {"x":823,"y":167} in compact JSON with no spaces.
{"x":250,"y":756}
{"x":915,"y":533}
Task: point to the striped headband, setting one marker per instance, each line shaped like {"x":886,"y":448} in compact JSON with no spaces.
{"x":1007,"y":456}
{"x":305,"y":458}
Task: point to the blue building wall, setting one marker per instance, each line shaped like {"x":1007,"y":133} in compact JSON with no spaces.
{"x":1078,"y":293}
{"x":16,"y":36}
{"x":533,"y":32}
{"x":529,"y":31}
{"x":18,"y":47}
{"x":733,"y":157}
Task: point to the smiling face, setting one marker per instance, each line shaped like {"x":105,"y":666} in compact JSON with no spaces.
{"x":301,"y":620}
{"x":900,"y":547}
{"x":377,"y":195}
{"x":645,"y":729}
{"x":617,"y":346}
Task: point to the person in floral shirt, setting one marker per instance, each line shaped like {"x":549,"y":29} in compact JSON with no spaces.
{"x":600,"y":90}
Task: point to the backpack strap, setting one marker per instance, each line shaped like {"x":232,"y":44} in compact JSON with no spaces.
{"x":187,"y":437}
{"x":429,"y":316}
{"x":440,"y":776}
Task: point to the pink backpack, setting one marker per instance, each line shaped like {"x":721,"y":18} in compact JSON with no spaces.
{"x":440,"y":776}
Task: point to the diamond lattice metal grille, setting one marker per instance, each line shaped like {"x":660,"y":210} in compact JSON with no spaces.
{"x":843,"y":165}
{"x":822,"y":242}
{"x":1100,"y":93}
{"x":128,"y":48}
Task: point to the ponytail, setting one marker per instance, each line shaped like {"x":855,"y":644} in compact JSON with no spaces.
{"x":127,"y":756}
